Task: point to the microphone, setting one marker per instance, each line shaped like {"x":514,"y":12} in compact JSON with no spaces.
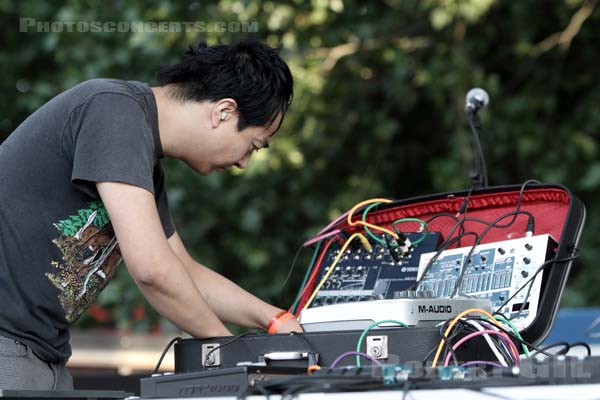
{"x":476,"y":99}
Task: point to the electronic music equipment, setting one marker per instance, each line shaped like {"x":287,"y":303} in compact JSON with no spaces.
{"x":557,"y":212}
{"x":222,"y":382}
{"x":412,"y":312}
{"x":248,"y":380}
{"x":489,"y":217}
{"x":383,"y":273}
{"x":494,"y":271}
{"x":559,"y":370}
{"x":388,"y":344}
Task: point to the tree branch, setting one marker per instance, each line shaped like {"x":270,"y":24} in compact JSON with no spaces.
{"x":563,"y":39}
{"x":332,"y":55}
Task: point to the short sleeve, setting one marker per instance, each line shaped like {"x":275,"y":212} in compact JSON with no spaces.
{"x":112,"y":142}
{"x":162,"y":203}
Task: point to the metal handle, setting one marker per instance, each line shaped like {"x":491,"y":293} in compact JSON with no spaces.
{"x":285,"y":355}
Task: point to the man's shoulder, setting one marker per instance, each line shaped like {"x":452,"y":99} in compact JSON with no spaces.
{"x":111,"y":85}
{"x":88,"y":89}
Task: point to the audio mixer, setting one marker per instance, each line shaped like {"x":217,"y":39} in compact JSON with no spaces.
{"x":494,"y":273}
{"x":383,"y":273}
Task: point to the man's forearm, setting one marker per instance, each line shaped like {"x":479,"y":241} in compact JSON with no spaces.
{"x":230,"y":302}
{"x":178,"y":299}
{"x":157,"y":270}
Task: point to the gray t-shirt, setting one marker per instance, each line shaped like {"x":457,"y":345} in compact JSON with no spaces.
{"x":57,"y":246}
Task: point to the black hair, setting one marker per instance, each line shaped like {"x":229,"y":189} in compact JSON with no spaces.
{"x":248,"y":71}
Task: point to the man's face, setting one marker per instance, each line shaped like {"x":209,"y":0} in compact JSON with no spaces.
{"x":235,"y":148}
{"x":223,"y":146}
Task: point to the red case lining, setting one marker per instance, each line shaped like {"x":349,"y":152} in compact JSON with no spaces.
{"x":548,"y":206}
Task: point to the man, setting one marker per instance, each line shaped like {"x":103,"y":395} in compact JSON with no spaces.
{"x":82,"y":186}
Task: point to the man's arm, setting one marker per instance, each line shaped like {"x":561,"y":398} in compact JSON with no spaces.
{"x":155,"y":268}
{"x":230,"y":302}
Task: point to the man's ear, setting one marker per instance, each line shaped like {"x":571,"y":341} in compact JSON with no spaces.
{"x":223,"y":110}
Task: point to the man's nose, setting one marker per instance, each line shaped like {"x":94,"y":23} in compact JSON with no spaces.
{"x":243,"y":163}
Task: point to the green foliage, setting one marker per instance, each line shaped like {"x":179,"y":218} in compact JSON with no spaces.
{"x":379,"y":92}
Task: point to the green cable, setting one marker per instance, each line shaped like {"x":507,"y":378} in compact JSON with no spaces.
{"x":423,"y":223}
{"x":364,"y":219}
{"x":515,"y":330}
{"x":394,"y":244}
{"x":306,"y":275}
{"x":368,"y":328}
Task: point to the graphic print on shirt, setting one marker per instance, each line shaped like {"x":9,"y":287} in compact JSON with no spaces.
{"x":90,"y":256}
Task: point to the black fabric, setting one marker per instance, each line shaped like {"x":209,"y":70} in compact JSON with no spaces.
{"x":57,"y":246}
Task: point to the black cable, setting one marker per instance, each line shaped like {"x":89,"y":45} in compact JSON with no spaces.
{"x":406,"y":389}
{"x":478,"y":241}
{"x":524,"y":303}
{"x":313,"y":355}
{"x":566,"y":347}
{"x":530,"y":280}
{"x":460,"y":222}
{"x":164,"y":353}
{"x":479,"y":220}
{"x":479,"y":177}
{"x":512,"y":334}
{"x":391,"y":250}
{"x":465,"y":207}
{"x":287,"y":278}
{"x":541,"y":267}
{"x":494,"y":339}
{"x":290,"y":387}
{"x":305,"y":340}
{"x":433,"y":259}
{"x":447,"y":341}
{"x":463,"y":210}
{"x":516,"y":212}
{"x":440,"y":215}
{"x":451,"y":232}
{"x":472,"y":219}
{"x":457,"y":330}
{"x":520,"y":198}
{"x":582,"y":344}
{"x":429,"y":354}
{"x":497,"y":342}
{"x":227,"y":343}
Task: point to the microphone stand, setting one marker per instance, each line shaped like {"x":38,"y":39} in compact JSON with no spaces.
{"x":478,"y":174}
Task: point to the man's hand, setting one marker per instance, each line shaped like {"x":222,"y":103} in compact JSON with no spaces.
{"x":230,"y":302}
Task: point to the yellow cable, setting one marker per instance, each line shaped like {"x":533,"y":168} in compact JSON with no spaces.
{"x":364,"y":203}
{"x":367,"y":246}
{"x":454,"y":321}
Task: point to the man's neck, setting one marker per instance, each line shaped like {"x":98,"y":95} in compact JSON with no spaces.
{"x":166,"y":127}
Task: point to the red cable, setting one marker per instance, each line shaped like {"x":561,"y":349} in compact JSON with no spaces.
{"x":310,"y":284}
